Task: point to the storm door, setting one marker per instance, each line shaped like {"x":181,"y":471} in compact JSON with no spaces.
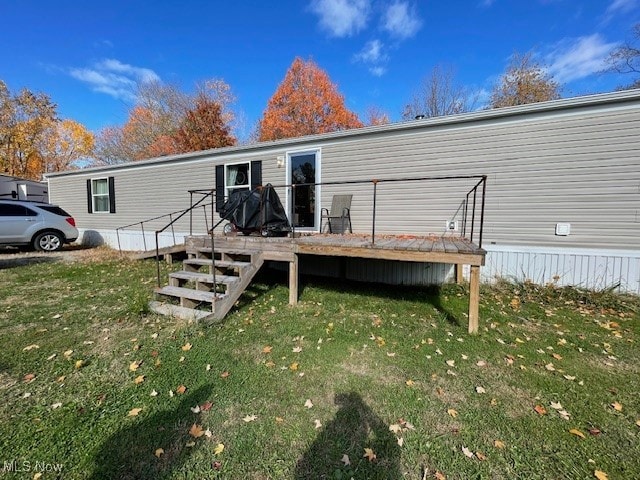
{"x":304,"y":172}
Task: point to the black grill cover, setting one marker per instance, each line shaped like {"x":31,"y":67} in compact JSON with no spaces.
{"x":256,"y":210}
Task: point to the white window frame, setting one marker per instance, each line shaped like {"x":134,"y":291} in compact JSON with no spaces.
{"x":228,"y":190}
{"x":94,"y":195}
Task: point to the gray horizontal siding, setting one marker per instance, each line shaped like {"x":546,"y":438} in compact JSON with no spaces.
{"x":579,"y":166}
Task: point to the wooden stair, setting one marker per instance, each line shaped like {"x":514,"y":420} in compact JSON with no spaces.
{"x":209,"y":284}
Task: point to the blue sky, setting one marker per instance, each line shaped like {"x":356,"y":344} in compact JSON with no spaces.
{"x":87,"y":55}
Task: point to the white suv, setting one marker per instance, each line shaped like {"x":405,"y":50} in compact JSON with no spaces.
{"x":42,"y":226}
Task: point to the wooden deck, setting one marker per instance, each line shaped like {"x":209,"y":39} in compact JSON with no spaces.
{"x":408,"y":248}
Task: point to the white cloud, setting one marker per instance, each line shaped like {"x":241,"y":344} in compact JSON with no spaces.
{"x":342,"y":18}
{"x":576,"y":58}
{"x":377,"y":71}
{"x":621,"y":6}
{"x":401,"y":21}
{"x":373,"y":54}
{"x":114,"y":78}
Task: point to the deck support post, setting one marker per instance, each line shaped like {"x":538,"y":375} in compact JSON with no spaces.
{"x":293,"y":280}
{"x":474,"y":298}
{"x":459,"y":274}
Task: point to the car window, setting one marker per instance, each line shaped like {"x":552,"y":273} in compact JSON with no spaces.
{"x":55,"y":210}
{"x":13,"y":210}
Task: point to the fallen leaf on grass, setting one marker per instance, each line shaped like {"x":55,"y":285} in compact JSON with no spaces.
{"x":569,"y":377}
{"x":79,"y":364}
{"x":186,"y":347}
{"x":56,"y":405}
{"x":400,"y":441}
{"x":369,"y":454}
{"x":52,"y":356}
{"x":410,"y":383}
{"x":68,"y":353}
{"x":498,"y":444}
{"x":616,"y":406}
{"x":267,"y":349}
{"x":139,"y":379}
{"x":294,"y":366}
{"x":37,"y":476}
{"x":249,"y":418}
{"x":297,"y":349}
{"x":28,"y":378}
{"x":452,"y":412}
{"x":480,"y":390}
{"x":196,"y":431}
{"x":395,"y":428}
{"x":317,"y":424}
{"x":133,"y":366}
{"x":481,"y":456}
{"x":30,"y":347}
{"x":158,"y":452}
{"x":439,"y":475}
{"x":594,"y":431}
{"x":556,"y":405}
{"x":467,"y":452}
{"x":181,"y":389}
{"x":481,"y":363}
{"x":153,"y":393}
{"x":190,"y":444}
{"x":219,"y":449}
{"x":600,"y":475}
{"x":345,"y":460}
{"x":540,"y":410}
{"x":308,"y":403}
{"x":206,"y":406}
{"x":638,"y":422}
{"x":577,"y":433}
{"x":134,"y":412}
{"x":550,"y":367}
{"x":451,"y":363}
{"x":564,"y":414}
{"x":195,"y":409}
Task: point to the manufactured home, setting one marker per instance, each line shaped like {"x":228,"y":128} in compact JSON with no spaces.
{"x":561,"y":199}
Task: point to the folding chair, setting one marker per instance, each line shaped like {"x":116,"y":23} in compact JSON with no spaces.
{"x":339,"y":218}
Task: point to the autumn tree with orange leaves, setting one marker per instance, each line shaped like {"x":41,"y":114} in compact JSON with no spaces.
{"x":33,"y":140}
{"x":525,"y":81}
{"x":167,"y":121}
{"x":305,"y":103}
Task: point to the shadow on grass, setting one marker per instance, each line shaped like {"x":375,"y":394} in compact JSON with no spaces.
{"x":354,"y":428}
{"x":24,"y":261}
{"x":130,"y":453}
{"x":433,"y":295}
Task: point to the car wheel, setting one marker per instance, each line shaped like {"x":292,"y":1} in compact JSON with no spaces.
{"x":48,"y":242}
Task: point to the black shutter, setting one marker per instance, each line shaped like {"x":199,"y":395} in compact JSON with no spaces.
{"x":219,"y":187}
{"x":112,"y":195}
{"x":89,"y":198}
{"x":256,"y":174}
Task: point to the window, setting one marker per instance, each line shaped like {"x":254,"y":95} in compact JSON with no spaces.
{"x":236,"y":177}
{"x":101,"y":195}
{"x":12,"y":210}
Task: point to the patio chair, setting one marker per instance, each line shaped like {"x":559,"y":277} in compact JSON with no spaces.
{"x":338,"y":219}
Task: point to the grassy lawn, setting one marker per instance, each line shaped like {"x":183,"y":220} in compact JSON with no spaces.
{"x":92,"y":383}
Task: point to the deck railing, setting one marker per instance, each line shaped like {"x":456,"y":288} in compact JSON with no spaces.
{"x":467,"y":207}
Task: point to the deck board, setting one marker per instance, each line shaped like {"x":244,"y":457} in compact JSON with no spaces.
{"x":411,"y":248}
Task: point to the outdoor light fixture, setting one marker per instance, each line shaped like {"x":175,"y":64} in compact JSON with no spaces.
{"x":280,"y":161}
